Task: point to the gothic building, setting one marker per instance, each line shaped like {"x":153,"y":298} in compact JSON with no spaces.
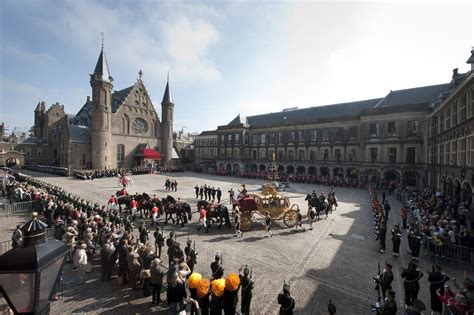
{"x":111,"y":130}
{"x":421,"y":136}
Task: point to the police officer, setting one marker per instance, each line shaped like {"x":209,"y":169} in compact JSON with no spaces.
{"x":411,"y":284}
{"x":191,"y":256}
{"x":396,"y":240}
{"x":286,"y":301}
{"x":159,"y":241}
{"x":247,"y":286}
{"x":216,"y":268}
{"x":437,"y":280}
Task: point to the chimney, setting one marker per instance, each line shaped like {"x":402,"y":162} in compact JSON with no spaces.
{"x":455,"y":72}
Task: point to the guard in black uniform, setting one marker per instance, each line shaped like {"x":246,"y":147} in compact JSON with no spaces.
{"x":201,"y":192}
{"x":389,"y":307}
{"x":286,"y":301}
{"x":143,"y":233}
{"x":191,"y":256}
{"x":382,"y":235}
{"x":386,"y":279}
{"x":411,"y":284}
{"x":437,"y":280}
{"x":396,"y":240}
{"x":216,"y":268}
{"x":170,"y":243}
{"x":196,"y":189}
{"x":247,"y":286}
{"x":219,"y":195}
{"x":159,"y":242}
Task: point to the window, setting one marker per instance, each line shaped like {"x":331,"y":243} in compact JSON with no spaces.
{"x":339,"y":134}
{"x":254,"y":139}
{"x":28,"y":151}
{"x":237,"y":138}
{"x":39,"y":152}
{"x":337,"y":154}
{"x":254,"y":154}
{"x":222,"y":139}
{"x":373,"y":130}
{"x":454,"y":114}
{"x":263,"y":138}
{"x":120,"y":152}
{"x":281,"y":137}
{"x":325,"y":136}
{"x":281,"y":155}
{"x":391,"y":129}
{"x":291,"y":136}
{"x":301,"y":155}
{"x":411,"y":155}
{"x":392,"y":155}
{"x":313,"y":135}
{"x":374,"y":154}
{"x":229,"y":138}
{"x":263,"y":154}
{"x":312,"y":155}
{"x":271,"y":138}
{"x":300,"y":136}
{"x":291,"y":155}
{"x":352,"y":155}
{"x":412,"y":128}
{"x":325,"y":154}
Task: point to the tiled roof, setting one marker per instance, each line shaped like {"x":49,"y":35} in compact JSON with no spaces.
{"x":119,"y":96}
{"x":424,"y":94}
{"x":239,"y":120}
{"x":79,"y":134}
{"x":208,"y":133}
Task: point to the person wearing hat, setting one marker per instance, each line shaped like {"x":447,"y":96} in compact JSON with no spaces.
{"x":331,"y":308}
{"x":386,"y":279}
{"x":159,"y":241}
{"x":268,"y":223}
{"x":389,"y":307}
{"x":396,"y":240}
{"x":237,"y":223}
{"x":143,"y":233}
{"x":286,"y":301}
{"x":437,"y":280}
{"x":411,"y":284}
{"x":299,"y":221}
{"x":382,"y":235}
{"x":80,"y":263}
{"x":217,"y":270}
{"x":191,"y":256}
{"x":156,"y":280}
{"x":246,"y":283}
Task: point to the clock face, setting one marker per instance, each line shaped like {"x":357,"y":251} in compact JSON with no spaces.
{"x":140,"y":126}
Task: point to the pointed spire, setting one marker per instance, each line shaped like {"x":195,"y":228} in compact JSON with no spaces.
{"x":167,"y":96}
{"x":471,"y":59}
{"x":102,"y":68}
{"x":38,"y":107}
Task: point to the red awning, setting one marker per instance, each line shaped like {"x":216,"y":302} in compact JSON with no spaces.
{"x":151,"y":154}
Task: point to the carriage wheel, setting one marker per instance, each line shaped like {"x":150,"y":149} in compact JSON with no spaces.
{"x":245,"y":221}
{"x":290,"y":216}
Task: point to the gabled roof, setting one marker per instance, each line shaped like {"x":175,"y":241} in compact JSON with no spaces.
{"x":79,"y":134}
{"x":239,"y":120}
{"x":102,"y":68}
{"x":424,"y":94}
{"x":119,"y":96}
{"x":311,"y":114}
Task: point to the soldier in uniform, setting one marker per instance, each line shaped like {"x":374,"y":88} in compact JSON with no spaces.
{"x":382,"y":235}
{"x":268,"y":224}
{"x":201,"y":192}
{"x":237,"y":223}
{"x":386,"y":279}
{"x":143,"y":233}
{"x":416,"y":244}
{"x":159,"y":241}
{"x":206,"y":191}
{"x":437,"y":280}
{"x":411,"y":284}
{"x":219,"y":195}
{"x":311,"y":216}
{"x":286,"y":301}
{"x":213,"y":193}
{"x":396,"y":240}
{"x":247,"y":286}
{"x":191,"y":256}
{"x":389,"y":307}
{"x":196,"y":189}
{"x":216,"y":268}
{"x":170,"y":243}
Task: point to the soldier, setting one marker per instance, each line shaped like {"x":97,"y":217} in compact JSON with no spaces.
{"x":411,"y":284}
{"x":389,"y":307}
{"x":206,"y":191}
{"x":170,"y":243}
{"x":219,"y":195}
{"x":331,"y":308}
{"x":299,"y":221}
{"x":286,"y":301}
{"x":311,"y":216}
{"x":386,"y":209}
{"x":231,"y":196}
{"x":213,"y":193}
{"x":437,"y":280}
{"x":159,"y":241}
{"x":237,"y":223}
{"x":382,"y":235}
{"x":386,"y":278}
{"x":268,"y":223}
{"x":201,"y":192}
{"x":247,"y":286}
{"x":216,"y":268}
{"x":196,"y":189}
{"x":143,"y":233}
{"x":396,"y":240}
{"x":191,"y":256}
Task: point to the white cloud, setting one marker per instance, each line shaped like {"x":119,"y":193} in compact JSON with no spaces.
{"x":26,"y":55}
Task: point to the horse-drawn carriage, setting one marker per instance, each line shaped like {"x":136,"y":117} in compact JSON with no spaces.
{"x":269,"y":200}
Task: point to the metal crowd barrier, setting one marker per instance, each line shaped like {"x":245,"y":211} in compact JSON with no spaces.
{"x":18,"y":207}
{"x":450,"y":253}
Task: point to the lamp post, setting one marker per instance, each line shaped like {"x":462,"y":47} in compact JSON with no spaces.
{"x":28,"y":273}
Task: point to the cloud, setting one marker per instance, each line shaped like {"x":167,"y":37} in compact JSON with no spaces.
{"x":26,"y":55}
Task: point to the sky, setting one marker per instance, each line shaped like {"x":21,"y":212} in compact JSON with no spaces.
{"x":227,"y":57}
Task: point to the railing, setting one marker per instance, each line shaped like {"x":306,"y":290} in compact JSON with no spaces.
{"x":18,"y":207}
{"x":450,"y":252}
{"x":5,"y":246}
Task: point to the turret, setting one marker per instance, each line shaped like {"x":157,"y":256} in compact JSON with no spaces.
{"x":167,"y":107}
{"x":39,"y":119}
{"x":101,"y":83}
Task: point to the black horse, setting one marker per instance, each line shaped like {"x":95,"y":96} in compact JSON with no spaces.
{"x":318,"y":205}
{"x":181,"y":210}
{"x":219,"y":214}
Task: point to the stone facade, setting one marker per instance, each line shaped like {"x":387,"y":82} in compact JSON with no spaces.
{"x":371,"y":140}
{"x":109,"y":131}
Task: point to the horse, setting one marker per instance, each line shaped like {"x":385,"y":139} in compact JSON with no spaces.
{"x":218,"y":214}
{"x":181,"y":210}
{"x":318,"y":205}
{"x":332,"y":202}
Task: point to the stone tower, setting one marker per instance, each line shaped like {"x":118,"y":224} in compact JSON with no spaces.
{"x":167,"y":107}
{"x":39,"y":120}
{"x":101,"y":144}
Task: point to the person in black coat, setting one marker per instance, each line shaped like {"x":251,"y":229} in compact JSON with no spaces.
{"x":286,"y":301}
{"x":219,"y":195}
{"x":437,"y":280}
{"x":411,"y":284}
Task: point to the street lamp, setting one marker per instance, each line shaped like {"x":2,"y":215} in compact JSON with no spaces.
{"x":29,"y":273}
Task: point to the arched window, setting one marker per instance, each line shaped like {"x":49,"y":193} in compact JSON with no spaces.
{"x":126,"y":125}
